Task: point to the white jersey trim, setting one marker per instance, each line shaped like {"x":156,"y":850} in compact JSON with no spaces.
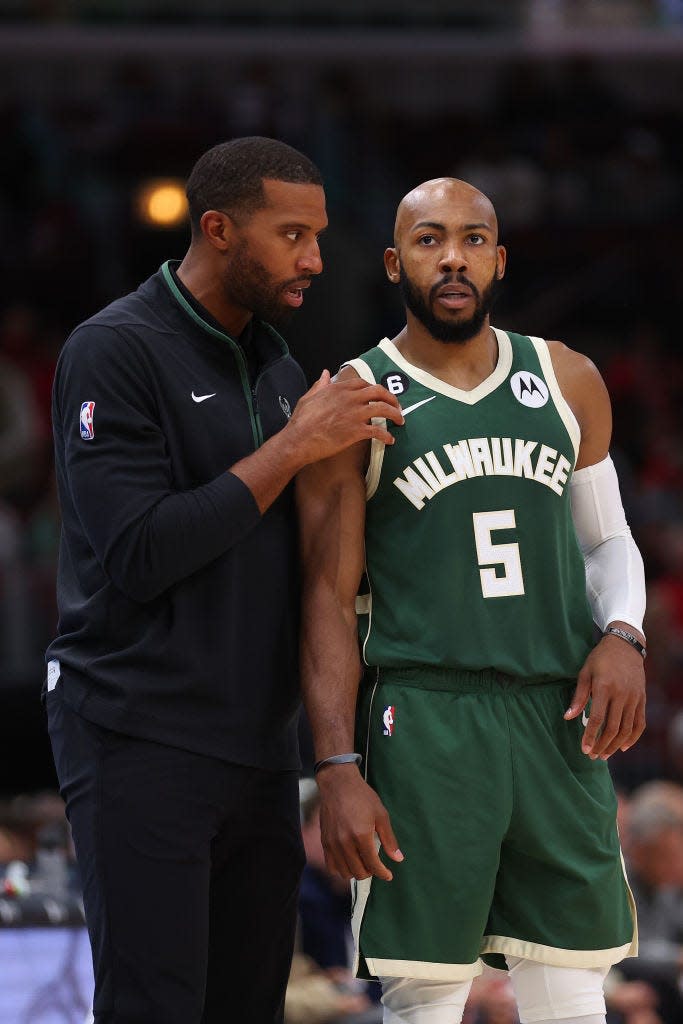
{"x":376,"y":447}
{"x":364,"y":607}
{"x":360,"y":893}
{"x":487,"y":386}
{"x":561,"y":404}
{"x":503,"y":944}
{"x":361,"y":368}
{"x":556,"y":957}
{"x":360,"y":888}
{"x":423,"y":970}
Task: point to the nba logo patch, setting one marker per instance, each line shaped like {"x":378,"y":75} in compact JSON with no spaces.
{"x":87,"y":425}
{"x":388,"y":718}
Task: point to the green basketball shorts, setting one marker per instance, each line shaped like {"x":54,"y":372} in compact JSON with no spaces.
{"x":507,"y":828}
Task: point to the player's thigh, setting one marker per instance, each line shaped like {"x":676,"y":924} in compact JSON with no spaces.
{"x":257,"y":860}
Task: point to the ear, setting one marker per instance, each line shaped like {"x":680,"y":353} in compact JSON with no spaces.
{"x":392,"y":265}
{"x":501,"y":261}
{"x":218,"y":229}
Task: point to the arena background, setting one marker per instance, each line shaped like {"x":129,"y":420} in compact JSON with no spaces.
{"x":566,"y":112}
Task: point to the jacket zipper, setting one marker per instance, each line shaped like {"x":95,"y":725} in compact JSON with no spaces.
{"x":249,"y":392}
{"x":257,"y":416}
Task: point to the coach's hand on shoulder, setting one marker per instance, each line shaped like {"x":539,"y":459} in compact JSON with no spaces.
{"x":351,"y":814}
{"x":335,"y":414}
{"x":613,"y":679}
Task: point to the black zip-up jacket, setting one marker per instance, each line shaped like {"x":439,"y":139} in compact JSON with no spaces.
{"x":178,"y":602}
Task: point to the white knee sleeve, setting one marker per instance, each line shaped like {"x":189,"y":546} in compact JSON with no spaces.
{"x":409,"y":1001}
{"x":546,"y":993}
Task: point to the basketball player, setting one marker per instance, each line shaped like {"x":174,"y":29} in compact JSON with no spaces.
{"x":475,"y":554}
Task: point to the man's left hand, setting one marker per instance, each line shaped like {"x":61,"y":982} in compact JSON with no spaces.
{"x":613,"y":679}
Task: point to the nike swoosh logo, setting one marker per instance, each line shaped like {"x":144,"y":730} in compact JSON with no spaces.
{"x":584,"y":718}
{"x":417,"y":405}
{"x":202,"y":398}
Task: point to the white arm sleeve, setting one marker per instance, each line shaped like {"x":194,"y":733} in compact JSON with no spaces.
{"x":615,"y":578}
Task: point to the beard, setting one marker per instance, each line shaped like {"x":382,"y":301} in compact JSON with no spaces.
{"x":250,"y":285}
{"x":449,"y":331}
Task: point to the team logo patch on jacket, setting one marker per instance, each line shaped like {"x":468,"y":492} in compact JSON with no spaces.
{"x":388,"y":718}
{"x":87,"y":421}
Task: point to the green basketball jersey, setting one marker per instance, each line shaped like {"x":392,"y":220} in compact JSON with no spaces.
{"x":471,"y":554}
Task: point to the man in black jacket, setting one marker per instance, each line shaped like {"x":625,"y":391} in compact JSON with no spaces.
{"x":180,"y":420}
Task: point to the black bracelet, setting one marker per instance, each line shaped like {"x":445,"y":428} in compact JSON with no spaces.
{"x":628,"y":637}
{"x":337,"y":759}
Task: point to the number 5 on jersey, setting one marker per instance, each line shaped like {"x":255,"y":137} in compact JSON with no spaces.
{"x":511,"y":583}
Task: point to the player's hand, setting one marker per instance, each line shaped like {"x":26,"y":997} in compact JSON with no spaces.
{"x":613,"y":679}
{"x":351,"y":814}
{"x":333,"y":415}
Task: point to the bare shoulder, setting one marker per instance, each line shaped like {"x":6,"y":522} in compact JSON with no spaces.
{"x":346,"y":373}
{"x":573,"y":368}
{"x":579,"y":378}
{"x":585,"y":392}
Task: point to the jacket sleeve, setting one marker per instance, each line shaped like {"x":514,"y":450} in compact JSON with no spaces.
{"x":145,"y":534}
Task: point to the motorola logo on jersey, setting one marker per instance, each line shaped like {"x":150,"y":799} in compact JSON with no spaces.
{"x":396,"y":383}
{"x":529,"y":389}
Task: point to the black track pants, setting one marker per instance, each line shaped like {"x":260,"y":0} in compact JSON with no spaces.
{"x":190,"y":869}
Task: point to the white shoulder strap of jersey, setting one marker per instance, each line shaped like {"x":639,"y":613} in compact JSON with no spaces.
{"x":561,"y":404}
{"x":376,"y":447}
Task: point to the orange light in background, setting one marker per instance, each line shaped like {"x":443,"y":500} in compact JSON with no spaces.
{"x":162,"y":203}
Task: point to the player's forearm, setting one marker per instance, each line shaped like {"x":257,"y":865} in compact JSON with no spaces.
{"x":330,"y":672}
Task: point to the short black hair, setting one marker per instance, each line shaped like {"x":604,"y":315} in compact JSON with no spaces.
{"x":230,"y":175}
